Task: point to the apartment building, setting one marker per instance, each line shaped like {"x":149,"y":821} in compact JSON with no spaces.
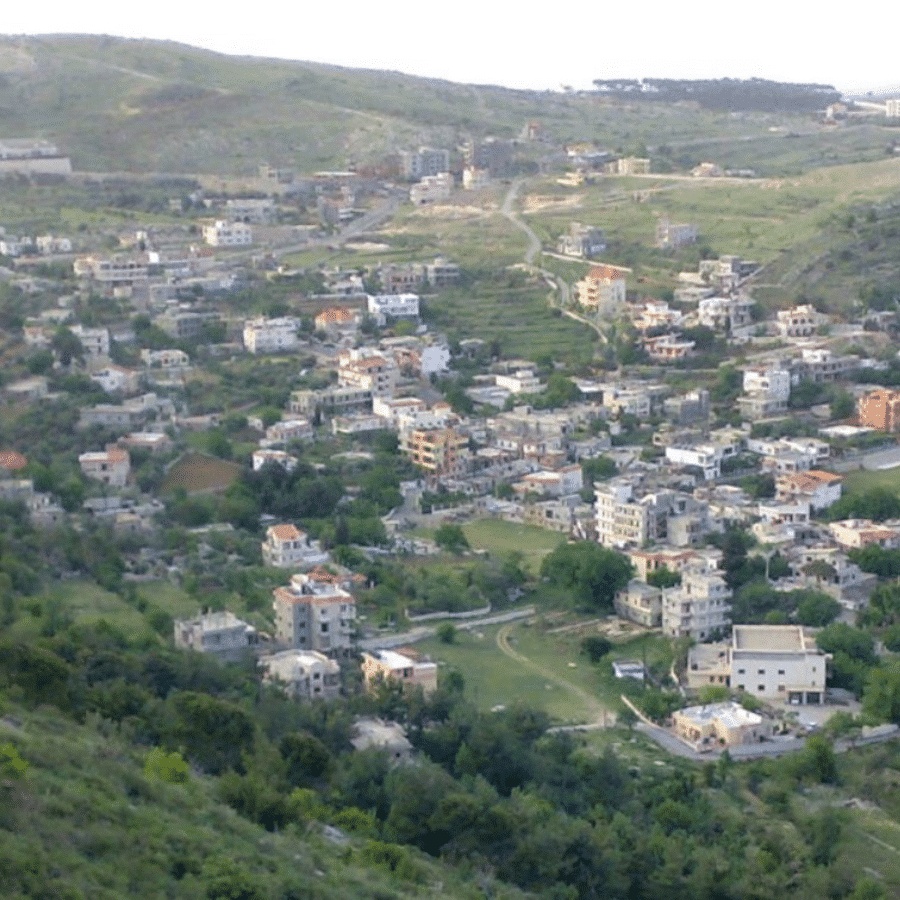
{"x":314,"y":615}
{"x":287,"y":547}
{"x":110,"y":466}
{"x":699,"y":608}
{"x":879,"y":409}
{"x":223,"y":233}
{"x":439,"y":451}
{"x":366,"y":371}
{"x":640,"y":602}
{"x":602,"y":288}
{"x":262,"y":335}
{"x":819,"y":489}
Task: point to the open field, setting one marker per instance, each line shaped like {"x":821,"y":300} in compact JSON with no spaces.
{"x":864,"y":480}
{"x":198,"y":472}
{"x":497,"y":536}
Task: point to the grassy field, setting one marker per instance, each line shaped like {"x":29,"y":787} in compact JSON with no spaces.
{"x":198,"y":472}
{"x":497,"y":536}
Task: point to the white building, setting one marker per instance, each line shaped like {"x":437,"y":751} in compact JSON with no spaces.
{"x":222,"y":233}
{"x":95,"y":341}
{"x":279,"y":457}
{"x":395,"y":306}
{"x":772,"y":662}
{"x":697,"y":608}
{"x":403,"y":668}
{"x":287,"y":547}
{"x":431,"y":189}
{"x":220,"y":633}
{"x":262,"y":335}
{"x":304,"y":674}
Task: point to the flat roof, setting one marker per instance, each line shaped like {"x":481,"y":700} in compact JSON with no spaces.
{"x":768,"y":637}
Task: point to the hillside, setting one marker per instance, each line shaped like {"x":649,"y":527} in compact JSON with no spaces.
{"x":153,"y":106}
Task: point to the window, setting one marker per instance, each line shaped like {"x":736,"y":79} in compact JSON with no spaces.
{"x":760,"y":687}
{"x":781,"y":671}
{"x":760,"y":671}
{"x":780,"y":688}
{"x":740,"y":671}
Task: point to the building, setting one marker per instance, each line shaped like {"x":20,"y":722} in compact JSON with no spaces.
{"x":22,"y":156}
{"x":602,"y":288}
{"x":582,"y":241}
{"x":388,"y":737}
{"x":407,"y":669}
{"x":772,"y":662}
{"x":719,"y":725}
{"x":378,"y":375}
{"x":222,"y":233}
{"x":851,"y":534}
{"x":219,"y":633}
{"x":640,"y":602}
{"x":262,"y":335}
{"x":110,"y":466}
{"x":304,"y":674}
{"x":262,"y":457}
{"x":415,"y":164}
{"x":798,"y":321}
{"x":95,"y":341}
{"x":431,"y":189}
{"x":819,"y":489}
{"x":699,"y":608}
{"x":673,"y":235}
{"x":394,"y":306}
{"x":314,"y":615}
{"x":439,"y":451}
{"x":337,"y":321}
{"x":879,"y":409}
{"x":287,"y":547}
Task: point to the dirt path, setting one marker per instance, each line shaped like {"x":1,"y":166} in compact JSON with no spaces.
{"x":600,"y":716}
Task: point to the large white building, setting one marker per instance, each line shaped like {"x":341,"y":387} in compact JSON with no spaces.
{"x":287,"y":547}
{"x":772,"y":662}
{"x":395,"y":306}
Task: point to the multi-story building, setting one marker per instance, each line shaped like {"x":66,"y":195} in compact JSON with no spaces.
{"x":262,"y":335}
{"x":669,"y":234}
{"x":431,"y":189}
{"x":219,"y":633}
{"x":287,"y":547}
{"x":394,"y":306}
{"x":602,"y":288}
{"x":851,"y":534}
{"x":314,"y":615}
{"x":116,"y":271}
{"x":366,"y":371}
{"x":404,"y":668}
{"x":640,"y":602}
{"x":582,"y":241}
{"x":95,"y":341}
{"x":798,"y":321}
{"x":819,"y":489}
{"x":879,"y":409}
{"x":415,"y":164}
{"x":699,"y":608}
{"x":439,"y":451}
{"x":304,"y":674}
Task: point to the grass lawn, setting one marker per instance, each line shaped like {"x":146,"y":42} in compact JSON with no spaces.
{"x":198,"y":472}
{"x":497,"y":536}
{"x":864,"y":480}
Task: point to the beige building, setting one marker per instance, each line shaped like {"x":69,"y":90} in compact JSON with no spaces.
{"x":110,"y":466}
{"x":439,"y":451}
{"x":314,"y":615}
{"x":603,"y":287}
{"x":389,"y":665}
{"x":719,"y":725}
{"x":286,"y":547}
{"x":641,"y":603}
{"x":220,"y":633}
{"x":699,"y":607}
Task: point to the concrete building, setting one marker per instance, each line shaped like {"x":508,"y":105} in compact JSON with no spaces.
{"x":772,"y":662}
{"x":405,"y":668}
{"x":439,"y":451}
{"x":602,"y":288}
{"x":798,"y":321}
{"x":699,"y":608}
{"x":262,"y":335}
{"x":431,"y":189}
{"x":819,"y":489}
{"x":304,"y":674}
{"x":220,"y":633}
{"x":314,"y":615}
{"x":395,"y":306}
{"x":640,"y":602}
{"x":110,"y":466}
{"x":415,"y":164}
{"x":851,"y":534}
{"x":669,"y":234}
{"x":367,"y":371}
{"x":287,"y":547}
{"x":222,"y":233}
{"x":719,"y":725}
{"x":879,"y":409}
{"x":582,"y":241}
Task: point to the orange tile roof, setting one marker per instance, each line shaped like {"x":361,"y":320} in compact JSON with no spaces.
{"x":11,"y":460}
{"x":286,"y":532}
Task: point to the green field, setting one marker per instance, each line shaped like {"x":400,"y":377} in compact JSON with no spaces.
{"x":864,"y":480}
{"x":198,"y":472}
{"x":497,"y":537}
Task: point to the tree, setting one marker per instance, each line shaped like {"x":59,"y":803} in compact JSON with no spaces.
{"x":881,"y":696}
{"x":817,"y":609}
{"x":595,"y":647}
{"x":446,"y":633}
{"x":663,"y":578}
{"x":593,"y":574}
{"x":451,"y":538}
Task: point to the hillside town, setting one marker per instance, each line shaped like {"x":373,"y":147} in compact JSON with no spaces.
{"x":722,"y":429}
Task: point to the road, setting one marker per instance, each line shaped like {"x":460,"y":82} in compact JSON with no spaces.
{"x":601,"y":716}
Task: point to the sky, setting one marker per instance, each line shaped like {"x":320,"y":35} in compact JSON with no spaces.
{"x":516,"y":45}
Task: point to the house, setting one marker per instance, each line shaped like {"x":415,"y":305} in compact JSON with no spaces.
{"x":95,"y":341}
{"x":288,"y":430}
{"x":669,"y":234}
{"x":286,"y":547}
{"x":116,"y":379}
{"x":819,"y":489}
{"x":798,"y":321}
{"x":220,"y":633}
{"x":394,"y":306}
{"x":772,"y":662}
{"x":582,"y":241}
{"x":852,"y":534}
{"x":364,"y":370}
{"x":388,"y":737}
{"x":719,"y":725}
{"x":262,"y":456}
{"x":110,"y":466}
{"x":667,"y":347}
{"x":311,"y":614}
{"x":415,"y":164}
{"x":408,"y":669}
{"x":304,"y":674}
{"x":337,"y":321}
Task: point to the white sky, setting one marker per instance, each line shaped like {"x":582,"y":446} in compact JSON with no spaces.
{"x":540,"y":45}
